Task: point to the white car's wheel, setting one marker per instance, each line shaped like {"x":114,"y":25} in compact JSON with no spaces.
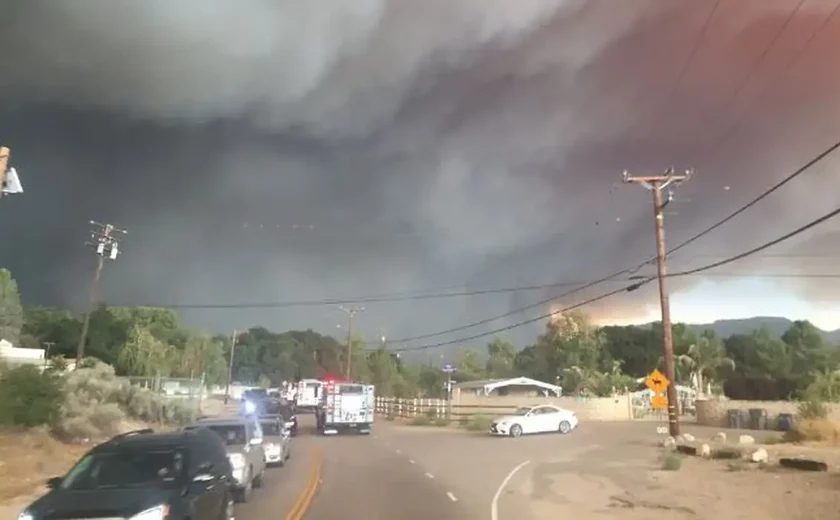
{"x":516,"y":431}
{"x":565,"y":427}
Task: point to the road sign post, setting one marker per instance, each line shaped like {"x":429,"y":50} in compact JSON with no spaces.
{"x":658,"y":384}
{"x":449,"y":369}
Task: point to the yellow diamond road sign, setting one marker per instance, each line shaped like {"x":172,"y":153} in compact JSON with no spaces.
{"x":659,"y":402}
{"x":657,"y":382}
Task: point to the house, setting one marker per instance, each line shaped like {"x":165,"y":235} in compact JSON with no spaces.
{"x":517,"y":386}
{"x":20,"y":356}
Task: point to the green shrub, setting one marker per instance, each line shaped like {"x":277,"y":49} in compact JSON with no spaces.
{"x":811,"y":409}
{"x":672,"y":462}
{"x":28,"y":397}
{"x":478,"y":422}
{"x":98,"y":403}
{"x":441,"y":421}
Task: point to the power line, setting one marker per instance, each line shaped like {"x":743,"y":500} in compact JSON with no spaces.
{"x":632,"y":270}
{"x":407,"y":297}
{"x":633,"y":287}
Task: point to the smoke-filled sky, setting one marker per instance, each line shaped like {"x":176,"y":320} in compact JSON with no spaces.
{"x":272,"y":150}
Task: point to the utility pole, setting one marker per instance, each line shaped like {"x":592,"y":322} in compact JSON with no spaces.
{"x":233,"y":340}
{"x":104,"y":243}
{"x":351,"y":313}
{"x":9,"y":180}
{"x":657,"y":183}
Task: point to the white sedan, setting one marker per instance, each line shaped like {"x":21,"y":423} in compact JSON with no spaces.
{"x":535,"y":419}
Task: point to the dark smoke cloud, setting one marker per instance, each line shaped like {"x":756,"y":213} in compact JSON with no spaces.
{"x":264,"y":150}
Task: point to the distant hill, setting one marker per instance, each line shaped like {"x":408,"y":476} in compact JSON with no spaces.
{"x":775,"y":325}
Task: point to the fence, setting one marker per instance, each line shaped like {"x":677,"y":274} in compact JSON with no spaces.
{"x":190,"y":390}
{"x":618,"y":408}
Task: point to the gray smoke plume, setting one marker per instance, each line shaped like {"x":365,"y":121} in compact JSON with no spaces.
{"x":277,"y":150}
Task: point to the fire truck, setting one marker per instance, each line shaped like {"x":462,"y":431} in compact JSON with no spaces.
{"x":346,"y":406}
{"x":309,"y":394}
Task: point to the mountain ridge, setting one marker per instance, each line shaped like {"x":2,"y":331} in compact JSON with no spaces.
{"x":777,"y":325}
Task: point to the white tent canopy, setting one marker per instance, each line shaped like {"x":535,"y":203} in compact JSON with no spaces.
{"x":487,"y":387}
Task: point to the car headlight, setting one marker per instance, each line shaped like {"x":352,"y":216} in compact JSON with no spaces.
{"x":26,"y":515}
{"x":250,"y":407}
{"x":236,"y":460}
{"x":153,"y":513}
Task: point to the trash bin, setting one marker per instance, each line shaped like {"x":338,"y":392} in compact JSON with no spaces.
{"x":735,"y":419}
{"x":785,"y":422}
{"x":758,"y":419}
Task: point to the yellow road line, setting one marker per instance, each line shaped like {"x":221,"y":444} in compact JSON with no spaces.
{"x":304,"y":500}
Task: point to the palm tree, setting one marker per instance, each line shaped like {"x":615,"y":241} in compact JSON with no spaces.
{"x":704,"y":358}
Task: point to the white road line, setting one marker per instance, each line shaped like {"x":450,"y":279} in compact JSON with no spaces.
{"x":430,"y":475}
{"x":494,"y":506}
{"x":411,"y":461}
{"x":451,"y":496}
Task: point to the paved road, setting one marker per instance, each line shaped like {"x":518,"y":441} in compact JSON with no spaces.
{"x":358,"y":478}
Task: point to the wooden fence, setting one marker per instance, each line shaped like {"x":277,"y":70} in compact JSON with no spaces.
{"x":436,"y":409}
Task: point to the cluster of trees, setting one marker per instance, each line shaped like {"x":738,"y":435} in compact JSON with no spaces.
{"x":572,"y":352}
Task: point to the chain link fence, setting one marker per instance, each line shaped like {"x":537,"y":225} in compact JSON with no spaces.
{"x":191,"y":391}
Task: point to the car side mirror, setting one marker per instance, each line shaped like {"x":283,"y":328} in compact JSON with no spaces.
{"x":256,"y":441}
{"x":54,"y":482}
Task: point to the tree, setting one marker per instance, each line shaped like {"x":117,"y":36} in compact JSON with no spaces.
{"x":383,"y":371}
{"x":468,"y":364}
{"x":809,"y":352}
{"x":11,"y":311}
{"x":502,"y":354}
{"x":202,"y":355}
{"x":705,"y":358}
{"x":636,"y":347}
{"x":48,"y":324}
{"x":145,"y":355}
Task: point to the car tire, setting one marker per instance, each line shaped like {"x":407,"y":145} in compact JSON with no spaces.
{"x":259,"y":480}
{"x":565,"y":427}
{"x":227,"y":510}
{"x":516,"y":431}
{"x":244,"y":494}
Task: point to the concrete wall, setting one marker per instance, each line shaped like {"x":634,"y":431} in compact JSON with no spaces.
{"x":714,"y":412}
{"x":593,"y":409}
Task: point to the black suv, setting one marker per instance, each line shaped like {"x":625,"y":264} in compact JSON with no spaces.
{"x":142,"y":475}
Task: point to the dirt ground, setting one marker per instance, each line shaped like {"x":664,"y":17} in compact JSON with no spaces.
{"x":27,"y":460}
{"x":627,"y":481}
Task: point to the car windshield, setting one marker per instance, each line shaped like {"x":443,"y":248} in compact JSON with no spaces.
{"x":521,"y":411}
{"x":271,"y":428}
{"x":231,"y":434}
{"x":124,"y":468}
{"x":350,"y":389}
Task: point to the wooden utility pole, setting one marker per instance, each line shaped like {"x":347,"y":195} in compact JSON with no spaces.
{"x":351,"y":313}
{"x":657,"y":183}
{"x":104,"y":243}
{"x":233,"y":340}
